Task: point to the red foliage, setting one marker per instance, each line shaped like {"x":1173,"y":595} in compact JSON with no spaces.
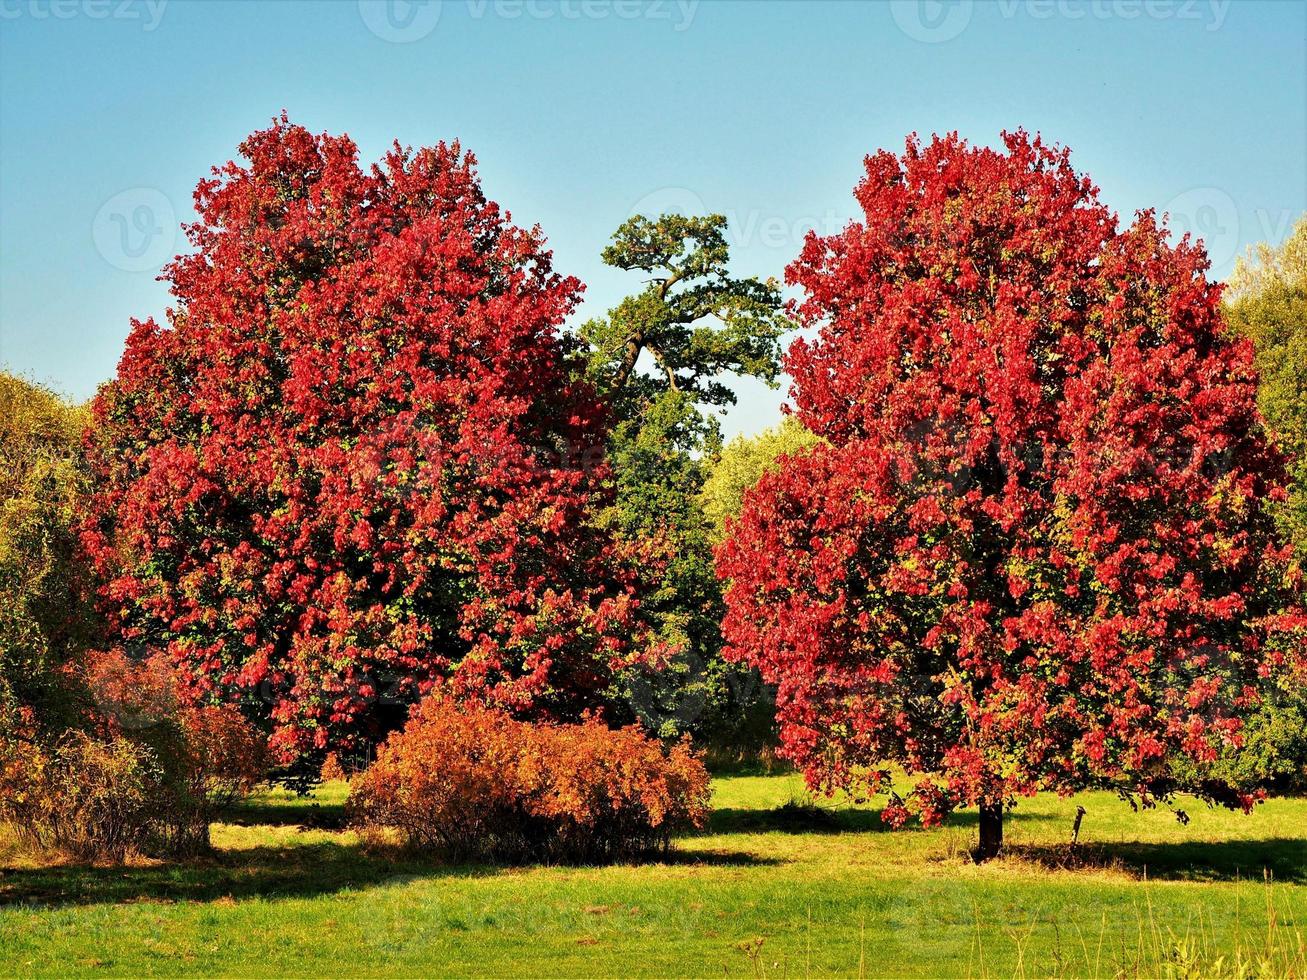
{"x":473,"y":781}
{"x":1034,"y":553}
{"x":354,"y":463}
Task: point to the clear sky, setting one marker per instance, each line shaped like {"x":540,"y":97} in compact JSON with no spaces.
{"x":584,"y":111}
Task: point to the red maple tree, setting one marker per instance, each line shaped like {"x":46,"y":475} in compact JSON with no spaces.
{"x":355,"y":462}
{"x":1033,"y":553}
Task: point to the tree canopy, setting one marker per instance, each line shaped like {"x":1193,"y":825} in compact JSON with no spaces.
{"x":357,"y":461}
{"x":694,"y":319}
{"x":741,"y":465}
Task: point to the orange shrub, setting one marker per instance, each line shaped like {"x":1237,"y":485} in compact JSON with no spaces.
{"x":472,"y":781}
{"x":332,"y":769}
{"x":208,"y":757}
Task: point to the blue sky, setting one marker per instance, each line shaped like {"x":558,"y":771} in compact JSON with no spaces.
{"x":583,"y":111}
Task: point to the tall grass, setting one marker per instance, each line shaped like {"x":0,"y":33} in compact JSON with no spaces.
{"x":1265,"y":948}
{"x":1151,"y":947}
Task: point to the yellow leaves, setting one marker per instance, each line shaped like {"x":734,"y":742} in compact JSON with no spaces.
{"x":743,"y":462}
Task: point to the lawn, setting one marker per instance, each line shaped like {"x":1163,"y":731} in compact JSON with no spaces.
{"x":769,"y":890}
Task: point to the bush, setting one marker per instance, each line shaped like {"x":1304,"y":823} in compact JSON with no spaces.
{"x":333,"y":770}
{"x":87,"y":797}
{"x":472,"y":782}
{"x":1273,"y":749}
{"x":146,"y":776}
{"x":209,"y":757}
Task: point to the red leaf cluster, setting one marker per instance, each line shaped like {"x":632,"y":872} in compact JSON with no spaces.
{"x":1034,"y":552}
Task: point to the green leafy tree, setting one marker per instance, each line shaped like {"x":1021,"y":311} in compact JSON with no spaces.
{"x":660,"y":358}
{"x":1266,"y":301}
{"x":742,"y":463}
{"x":47,"y":614}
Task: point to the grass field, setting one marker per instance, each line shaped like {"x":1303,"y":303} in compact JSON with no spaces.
{"x":770,"y":890}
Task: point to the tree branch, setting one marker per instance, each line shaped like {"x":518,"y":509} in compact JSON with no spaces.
{"x":671,"y":375}
{"x":676,"y":276}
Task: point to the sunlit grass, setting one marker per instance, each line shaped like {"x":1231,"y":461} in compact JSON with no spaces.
{"x":770,"y":889}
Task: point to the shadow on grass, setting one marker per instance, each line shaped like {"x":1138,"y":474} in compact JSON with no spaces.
{"x":795,"y":818}
{"x":716,"y":859}
{"x":290,"y":813}
{"x":269,"y":872}
{"x":1282,"y":859}
{"x":297,"y":870}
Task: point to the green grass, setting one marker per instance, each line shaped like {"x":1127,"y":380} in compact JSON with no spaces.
{"x":771,"y":890}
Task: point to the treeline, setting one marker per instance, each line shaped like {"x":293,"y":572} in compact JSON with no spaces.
{"x":1024,"y":529}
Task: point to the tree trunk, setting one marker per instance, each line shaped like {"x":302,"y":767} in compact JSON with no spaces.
{"x":633,"y":347}
{"x":991,"y":831}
